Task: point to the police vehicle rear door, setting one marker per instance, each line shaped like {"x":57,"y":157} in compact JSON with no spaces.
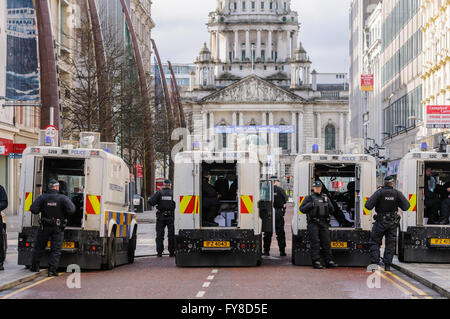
{"x":265,"y":206}
{"x":420,"y":192}
{"x":358,"y":210}
{"x":38,"y":187}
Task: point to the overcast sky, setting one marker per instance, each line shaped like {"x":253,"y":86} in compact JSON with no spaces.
{"x":181,"y":30}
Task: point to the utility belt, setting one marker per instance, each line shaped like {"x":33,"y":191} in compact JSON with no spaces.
{"x":165,"y":214}
{"x":310,"y":219}
{"x":389,"y":216}
{"x":53,"y":222}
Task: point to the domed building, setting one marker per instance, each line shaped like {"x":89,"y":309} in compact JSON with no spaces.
{"x":254,"y":78}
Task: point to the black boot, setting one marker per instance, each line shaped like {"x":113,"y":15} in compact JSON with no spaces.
{"x":317,"y":265}
{"x":52,"y":273}
{"x":34,"y":268}
{"x":331,"y":264}
{"x":282,"y":253}
{"x":387,"y":267}
{"x":1,"y":267}
{"x":266,"y":253}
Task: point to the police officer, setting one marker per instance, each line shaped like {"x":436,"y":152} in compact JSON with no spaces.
{"x":3,"y":206}
{"x":55,"y":208}
{"x":386,"y":201}
{"x":318,"y":208}
{"x":163,"y":200}
{"x":279,"y":200}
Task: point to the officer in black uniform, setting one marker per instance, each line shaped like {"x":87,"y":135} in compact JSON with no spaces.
{"x":3,"y":206}
{"x":55,"y":208}
{"x":386,"y":201}
{"x":318,"y":208}
{"x":279,"y":200}
{"x":163,"y":199}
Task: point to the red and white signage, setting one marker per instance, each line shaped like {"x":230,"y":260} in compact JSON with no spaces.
{"x":438,"y":116}
{"x":336,"y":184}
{"x":367,"y":82}
{"x":139,"y":170}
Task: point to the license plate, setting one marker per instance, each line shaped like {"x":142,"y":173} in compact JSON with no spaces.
{"x":65,"y":245}
{"x":339,"y":244}
{"x":440,"y":241}
{"x":216,"y":244}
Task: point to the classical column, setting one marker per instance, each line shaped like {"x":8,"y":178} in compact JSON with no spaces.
{"x":247,"y":44}
{"x":217,"y":45}
{"x":300,"y":133}
{"x":347,"y":126}
{"x":279,"y":46}
{"x":341,"y":131}
{"x":305,"y":76}
{"x":319,"y":127}
{"x":234,"y":119}
{"x":288,"y":44}
{"x":236,"y":45}
{"x":293,"y":135}
{"x":258,"y":44}
{"x":271,"y":135}
{"x":264,"y":123}
{"x":294,"y":43}
{"x":211,"y":126}
{"x":204,"y":125}
{"x":269,"y":46}
{"x":241,"y":119}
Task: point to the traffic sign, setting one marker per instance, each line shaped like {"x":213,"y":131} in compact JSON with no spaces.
{"x":51,"y":136}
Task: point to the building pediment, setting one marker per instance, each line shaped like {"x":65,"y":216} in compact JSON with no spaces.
{"x":252,"y":89}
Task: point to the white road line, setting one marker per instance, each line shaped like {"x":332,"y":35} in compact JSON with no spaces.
{"x":215,"y":271}
{"x":200,"y":294}
{"x":210,"y":277}
{"x":206,"y":284}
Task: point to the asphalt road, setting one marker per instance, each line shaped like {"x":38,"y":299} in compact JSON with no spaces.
{"x":277,"y":278}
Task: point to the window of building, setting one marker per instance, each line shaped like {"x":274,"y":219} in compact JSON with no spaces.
{"x":262,"y":4}
{"x":263,"y":55}
{"x":235,"y":5}
{"x":243,"y":55}
{"x":330,"y":138}
{"x":283,"y":141}
{"x":271,"y":5}
{"x":253,"y":5}
{"x":243,"y":5}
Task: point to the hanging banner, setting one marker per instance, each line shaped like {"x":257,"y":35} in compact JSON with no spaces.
{"x":438,"y":116}
{"x":22,"y":77}
{"x":252,"y":129}
{"x":367,"y":82}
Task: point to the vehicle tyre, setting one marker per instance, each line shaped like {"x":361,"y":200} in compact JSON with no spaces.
{"x":111,"y":252}
{"x":400,"y":248}
{"x":132,"y":246}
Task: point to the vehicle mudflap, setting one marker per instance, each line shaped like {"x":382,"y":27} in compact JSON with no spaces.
{"x":415,"y":245}
{"x":357,"y":253}
{"x":244,"y":251}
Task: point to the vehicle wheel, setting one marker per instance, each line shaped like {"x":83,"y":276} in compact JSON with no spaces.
{"x":132,"y":246}
{"x":111,"y":253}
{"x":400,"y":253}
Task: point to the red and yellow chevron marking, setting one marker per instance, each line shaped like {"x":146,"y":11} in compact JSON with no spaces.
{"x":246,"y":204}
{"x":300,"y":202}
{"x":366,"y":211}
{"x":93,"y":204}
{"x":412,"y":203}
{"x":28,"y":201}
{"x":189,"y":204}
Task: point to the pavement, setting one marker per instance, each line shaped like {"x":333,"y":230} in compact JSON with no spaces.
{"x":433,"y":276}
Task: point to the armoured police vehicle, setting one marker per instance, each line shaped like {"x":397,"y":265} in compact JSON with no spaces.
{"x":234,"y":239}
{"x":350,"y":180}
{"x":419,"y":240}
{"x":102,"y":233}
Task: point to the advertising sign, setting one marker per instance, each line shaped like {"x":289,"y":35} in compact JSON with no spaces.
{"x":252,"y":129}
{"x":438,"y":116}
{"x":22,"y":77}
{"x":367,"y":82}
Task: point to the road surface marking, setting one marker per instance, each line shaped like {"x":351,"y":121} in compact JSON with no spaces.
{"x":200,"y":294}
{"x":215,"y":271}
{"x":206,"y":284}
{"x":420,"y":292}
{"x":25,"y":288}
{"x":405,"y":291}
{"x":210,"y":277}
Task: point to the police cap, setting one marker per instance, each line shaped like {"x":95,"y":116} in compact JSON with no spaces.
{"x":388,"y":180}
{"x":53,"y":183}
{"x":317,"y":184}
{"x":167,"y":182}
